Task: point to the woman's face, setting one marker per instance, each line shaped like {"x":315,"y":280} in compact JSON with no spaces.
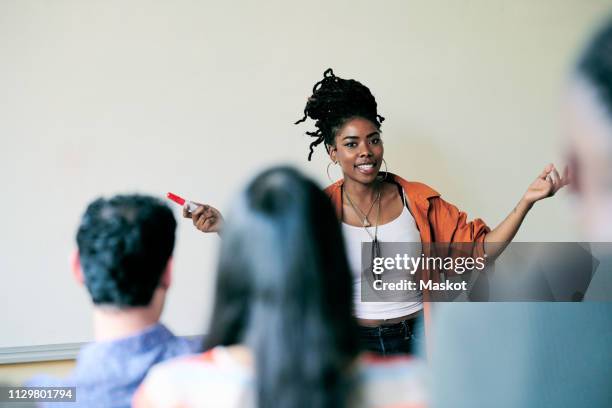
{"x":359,"y":150}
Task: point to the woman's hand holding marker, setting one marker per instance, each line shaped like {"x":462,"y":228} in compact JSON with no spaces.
{"x":206,"y":218}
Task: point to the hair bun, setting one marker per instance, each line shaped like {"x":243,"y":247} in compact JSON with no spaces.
{"x":333,"y":101}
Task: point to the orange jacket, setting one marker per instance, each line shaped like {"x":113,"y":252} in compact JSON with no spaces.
{"x":437,"y":220}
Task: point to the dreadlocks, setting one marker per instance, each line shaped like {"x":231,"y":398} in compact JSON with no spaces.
{"x":334,"y":100}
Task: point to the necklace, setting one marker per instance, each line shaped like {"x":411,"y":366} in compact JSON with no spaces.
{"x":375,"y":236}
{"x":365,"y":222}
{"x":376,"y":252}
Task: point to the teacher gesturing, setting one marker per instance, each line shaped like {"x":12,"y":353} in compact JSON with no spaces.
{"x":375,"y":205}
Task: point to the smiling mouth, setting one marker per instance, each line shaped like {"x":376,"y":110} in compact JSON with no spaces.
{"x":366,"y":168}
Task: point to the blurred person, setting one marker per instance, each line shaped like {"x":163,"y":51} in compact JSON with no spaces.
{"x":378,"y":206}
{"x":589,"y":127}
{"x":124,"y":259}
{"x":282,"y":332}
{"x":551,"y":354}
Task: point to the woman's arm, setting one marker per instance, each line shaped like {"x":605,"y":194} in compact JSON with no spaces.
{"x":545,"y":185}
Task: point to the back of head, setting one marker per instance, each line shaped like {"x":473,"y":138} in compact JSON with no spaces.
{"x":125,"y":243}
{"x":284,"y":289}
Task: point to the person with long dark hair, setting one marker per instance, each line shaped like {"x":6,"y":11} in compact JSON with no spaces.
{"x":378,"y":206}
{"x":283,"y":332}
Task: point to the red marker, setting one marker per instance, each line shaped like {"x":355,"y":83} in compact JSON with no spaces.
{"x":181,"y":201}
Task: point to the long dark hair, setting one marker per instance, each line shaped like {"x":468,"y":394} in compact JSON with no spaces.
{"x":284,"y":289}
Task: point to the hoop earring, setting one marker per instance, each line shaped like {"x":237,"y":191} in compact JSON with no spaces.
{"x":386,"y":171}
{"x":327,"y":171}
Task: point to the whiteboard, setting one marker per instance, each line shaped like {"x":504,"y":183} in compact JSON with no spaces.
{"x":100,"y":98}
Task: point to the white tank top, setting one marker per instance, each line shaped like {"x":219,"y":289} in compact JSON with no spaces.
{"x":401,"y":229}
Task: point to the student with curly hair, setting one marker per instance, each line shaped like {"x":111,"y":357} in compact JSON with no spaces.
{"x":124,"y":259}
{"x":378,"y":206}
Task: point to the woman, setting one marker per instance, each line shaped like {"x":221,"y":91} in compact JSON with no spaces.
{"x":282,"y":332}
{"x":379,"y":206}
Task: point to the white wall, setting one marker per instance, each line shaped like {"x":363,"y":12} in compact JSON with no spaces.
{"x":100,"y":97}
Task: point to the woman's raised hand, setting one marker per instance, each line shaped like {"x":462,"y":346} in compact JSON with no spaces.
{"x":546,"y":184}
{"x":206,"y":218}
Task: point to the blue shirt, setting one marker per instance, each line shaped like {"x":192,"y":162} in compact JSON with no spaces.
{"x":107,"y":373}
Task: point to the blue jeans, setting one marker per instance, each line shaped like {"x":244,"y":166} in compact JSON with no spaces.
{"x":397,"y":338}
